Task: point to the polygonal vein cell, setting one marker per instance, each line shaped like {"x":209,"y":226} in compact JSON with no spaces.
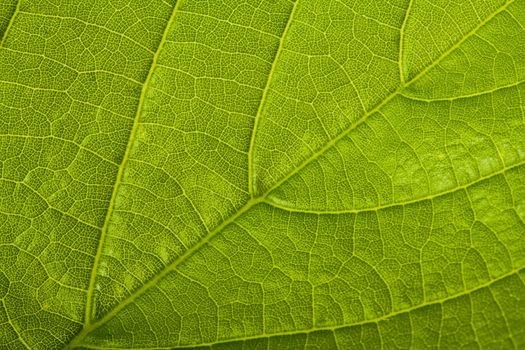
{"x":290,"y":174}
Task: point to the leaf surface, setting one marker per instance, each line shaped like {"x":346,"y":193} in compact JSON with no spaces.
{"x":254,"y":174}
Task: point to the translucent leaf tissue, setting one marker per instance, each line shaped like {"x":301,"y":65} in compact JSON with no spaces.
{"x":262,"y":174}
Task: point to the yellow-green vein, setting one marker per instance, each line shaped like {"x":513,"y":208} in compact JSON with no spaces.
{"x":89,"y":299}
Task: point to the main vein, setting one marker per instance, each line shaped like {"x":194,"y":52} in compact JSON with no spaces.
{"x":385,"y":317}
{"x":121,"y":170}
{"x":89,"y":327}
{"x":385,"y":101}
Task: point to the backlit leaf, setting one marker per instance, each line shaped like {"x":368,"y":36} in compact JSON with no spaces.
{"x":262,"y":174}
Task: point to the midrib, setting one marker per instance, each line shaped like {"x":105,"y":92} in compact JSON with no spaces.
{"x":90,"y":327}
{"x":385,"y":317}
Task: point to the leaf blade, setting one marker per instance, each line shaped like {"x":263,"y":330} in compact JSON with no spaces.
{"x":194,"y":256}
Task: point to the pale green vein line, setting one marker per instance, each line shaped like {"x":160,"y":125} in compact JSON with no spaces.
{"x":254,"y":201}
{"x":334,"y":141}
{"x":238,"y":25}
{"x":22,"y":183}
{"x":275,"y":204}
{"x":352,"y":9}
{"x":482,"y":93}
{"x":505,"y":319}
{"x":131,"y":141}
{"x":156,"y":222}
{"x":26,"y":86}
{"x":460,"y":42}
{"x":381,"y":104}
{"x":474,"y":330}
{"x":88,"y":24}
{"x":516,"y":20}
{"x":79,"y":146}
{"x":401,"y":57}
{"x":9,"y":321}
{"x":385,"y":317}
{"x":251,"y":171}
{"x":44,"y":57}
{"x":163,"y":273}
{"x":10,"y":24}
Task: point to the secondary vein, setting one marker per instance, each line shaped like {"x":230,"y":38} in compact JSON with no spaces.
{"x":254,"y":201}
{"x":402,"y":43}
{"x":121,"y":170}
{"x":10,"y":24}
{"x":387,"y":99}
{"x":251,"y":171}
{"x":385,"y":317}
{"x":382,"y":318}
{"x":464,"y":186}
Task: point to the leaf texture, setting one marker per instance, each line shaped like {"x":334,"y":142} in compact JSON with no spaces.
{"x":308,"y":174}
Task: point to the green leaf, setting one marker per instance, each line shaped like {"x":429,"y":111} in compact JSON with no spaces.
{"x":308,"y":174}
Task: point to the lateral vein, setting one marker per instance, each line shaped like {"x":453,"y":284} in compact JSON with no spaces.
{"x":254,"y":201}
{"x":251,"y":171}
{"x":397,"y":92}
{"x":385,"y":317}
{"x":464,"y":186}
{"x":10,"y":24}
{"x":402,"y":43}
{"x":121,"y":170}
